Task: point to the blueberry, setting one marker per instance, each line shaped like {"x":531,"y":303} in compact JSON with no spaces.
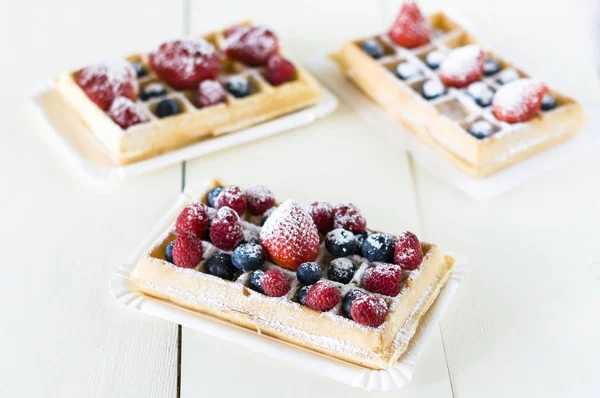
{"x":264,"y":220}
{"x":212,"y":196}
{"x":349,"y":299}
{"x":340,"y":243}
{"x":406,"y":70}
{"x":437,"y":33}
{"x":360,"y":238}
{"x":481,"y":93}
{"x":481,"y":129}
{"x":434,"y":59}
{"x":153,"y":90}
{"x":507,"y":76}
{"x":378,"y":247}
{"x":169,"y":252}
{"x":255,"y":281}
{"x":432,"y":89}
{"x":248,"y":257}
{"x":491,"y":67}
{"x":140,"y":71}
{"x":238,"y":87}
{"x":341,"y":270}
{"x":167,"y":107}
{"x":220,"y":265}
{"x":548,"y":102}
{"x":309,"y":273}
{"x":373,"y":48}
{"x":302,"y":294}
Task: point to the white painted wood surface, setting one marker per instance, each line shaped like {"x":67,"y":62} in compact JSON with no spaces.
{"x":524,"y":323}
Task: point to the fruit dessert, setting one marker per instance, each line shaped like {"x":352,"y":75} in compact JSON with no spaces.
{"x":464,"y":100}
{"x":186,"y":90}
{"x":315,"y":276}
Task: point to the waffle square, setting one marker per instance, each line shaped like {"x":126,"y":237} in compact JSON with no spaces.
{"x":329,"y":333}
{"x":443,"y":122}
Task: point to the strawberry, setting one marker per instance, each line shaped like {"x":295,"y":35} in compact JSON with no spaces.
{"x":519,"y":101}
{"x":290,"y":236}
{"x":126,"y":113}
{"x":408,"y":253}
{"x":251,"y":45}
{"x":279,"y":70}
{"x":410,"y":29}
{"x":463,"y":66}
{"x":105,"y":81}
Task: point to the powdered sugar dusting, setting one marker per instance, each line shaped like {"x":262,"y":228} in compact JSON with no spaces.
{"x":116,"y":71}
{"x":212,"y":90}
{"x":517,"y":96}
{"x":462,"y":61}
{"x":194,"y":53}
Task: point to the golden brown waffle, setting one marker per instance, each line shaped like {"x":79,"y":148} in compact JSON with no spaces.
{"x":193,"y":124}
{"x":329,"y":332}
{"x":444,"y":121}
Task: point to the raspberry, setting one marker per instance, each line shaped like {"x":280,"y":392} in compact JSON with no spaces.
{"x":410,"y":29}
{"x":322,"y":296}
{"x":322,"y":215}
{"x":185,"y":63}
{"x":226,"y":230}
{"x":407,"y":251}
{"x":279,"y":70}
{"x":251,"y":45}
{"x":105,"y":81}
{"x":290,"y":236}
{"x":519,"y":101}
{"x":274,"y":283}
{"x":210,"y":92}
{"x":463,"y":66}
{"x":259,"y":199}
{"x":383,"y":279}
{"x":348,"y":217}
{"x":232,"y":197}
{"x":126,"y":113}
{"x":369,"y":310}
{"x":187,"y":251}
{"x":193,"y":219}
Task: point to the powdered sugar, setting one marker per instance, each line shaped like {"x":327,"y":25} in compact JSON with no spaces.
{"x":190,"y":54}
{"x":462,"y":61}
{"x":212,"y":90}
{"x":517,"y":96}
{"x":255,"y":37}
{"x":116,"y":72}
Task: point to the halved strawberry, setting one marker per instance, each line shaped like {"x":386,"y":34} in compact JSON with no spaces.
{"x":410,"y":29}
{"x":463,"y":66}
{"x":105,"y":81}
{"x":519,"y":101}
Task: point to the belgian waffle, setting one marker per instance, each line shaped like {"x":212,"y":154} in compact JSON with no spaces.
{"x":443,"y":122}
{"x":157,"y":135}
{"x":330,"y":333}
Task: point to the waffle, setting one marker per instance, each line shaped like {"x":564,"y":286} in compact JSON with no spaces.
{"x":159,"y":135}
{"x":329,"y":333}
{"x":443,"y":122}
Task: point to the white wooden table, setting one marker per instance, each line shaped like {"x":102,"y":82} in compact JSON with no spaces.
{"x":524,"y":323}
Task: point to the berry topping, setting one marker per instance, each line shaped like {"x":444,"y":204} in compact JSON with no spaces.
{"x":349,"y":217}
{"x":491,"y":67}
{"x":349,"y":299}
{"x":232,"y":197}
{"x":309,"y":273}
{"x":548,"y":102}
{"x":169,"y":252}
{"x":255,"y":279}
{"x":463,"y":66}
{"x":248,"y":257}
{"x":259,"y":199}
{"x":373,"y":48}
{"x":210,"y":92}
{"x":274,"y":283}
{"x":279,"y":70}
{"x":481,"y":93}
{"x":383,"y":279}
{"x":184,"y":63}
{"x":238,"y":86}
{"x":410,"y":29}
{"x":251,"y":45}
{"x":407,"y":251}
{"x":322,"y":215}
{"x":193,"y":219}
{"x":187,"y":251}
{"x":432,"y":89}
{"x":369,"y":310}
{"x":322,"y":296}
{"x":167,"y":107}
{"x":290,"y":236}
{"x":519,"y":101}
{"x":341,"y":270}
{"x":220,"y":265}
{"x":105,"y":81}
{"x":406,"y":70}
{"x":301,"y":296}
{"x":211,"y":198}
{"x":434,"y":59}
{"x":153,"y":90}
{"x":481,"y":129}
{"x":140,"y":70}
{"x":126,"y":113}
{"x":378,"y":247}
{"x":507,"y":76}
{"x":340,"y":243}
{"x":226,"y":230}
